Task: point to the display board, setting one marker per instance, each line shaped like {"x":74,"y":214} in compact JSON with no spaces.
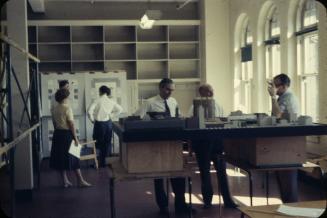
{"x":50,"y":84}
{"x":84,"y":89}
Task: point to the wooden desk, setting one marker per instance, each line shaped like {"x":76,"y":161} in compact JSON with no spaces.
{"x":117,"y":172}
{"x":153,"y":134}
{"x":270,"y":211}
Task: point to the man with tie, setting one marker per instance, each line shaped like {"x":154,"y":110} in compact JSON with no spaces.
{"x":164,"y":103}
{"x":286,"y":104}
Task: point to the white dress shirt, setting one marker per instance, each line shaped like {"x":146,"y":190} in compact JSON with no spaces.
{"x":157,"y":104}
{"x":288,"y":103}
{"x":219,"y":111}
{"x":103,"y":109}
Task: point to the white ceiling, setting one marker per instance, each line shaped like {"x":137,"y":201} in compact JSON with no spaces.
{"x":120,"y":0}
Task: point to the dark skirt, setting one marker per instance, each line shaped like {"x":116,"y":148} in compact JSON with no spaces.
{"x":60,"y":159}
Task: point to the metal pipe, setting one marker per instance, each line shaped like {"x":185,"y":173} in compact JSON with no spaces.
{"x":183,"y":4}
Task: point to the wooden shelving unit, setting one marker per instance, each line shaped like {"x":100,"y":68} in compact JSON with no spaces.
{"x":146,"y":55}
{"x":163,"y":51}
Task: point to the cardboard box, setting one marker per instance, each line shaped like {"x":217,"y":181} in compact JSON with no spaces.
{"x":151,"y":157}
{"x":271,"y":151}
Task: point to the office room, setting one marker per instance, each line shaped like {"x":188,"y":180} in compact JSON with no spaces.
{"x":163,"y":108}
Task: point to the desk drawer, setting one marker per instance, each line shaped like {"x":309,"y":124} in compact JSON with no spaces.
{"x":267,"y":151}
{"x":151,"y":157}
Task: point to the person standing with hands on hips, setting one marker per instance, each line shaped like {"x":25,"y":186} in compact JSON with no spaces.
{"x":100,"y":113}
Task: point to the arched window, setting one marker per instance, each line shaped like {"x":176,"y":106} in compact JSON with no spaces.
{"x":246,"y":74}
{"x":307,"y":57}
{"x":243,"y":73}
{"x":272,"y":44}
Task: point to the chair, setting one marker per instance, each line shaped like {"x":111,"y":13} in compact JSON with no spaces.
{"x":90,"y":156}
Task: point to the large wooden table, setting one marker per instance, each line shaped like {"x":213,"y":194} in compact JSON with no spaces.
{"x":117,"y":173}
{"x":156,"y":135}
{"x":218,"y":132}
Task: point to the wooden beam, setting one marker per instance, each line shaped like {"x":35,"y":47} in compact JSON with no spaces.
{"x":12,"y":43}
{"x":12,"y":144}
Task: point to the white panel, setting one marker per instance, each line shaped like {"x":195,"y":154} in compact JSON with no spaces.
{"x":132,"y":90}
{"x":117,"y":83}
{"x":49,"y":85}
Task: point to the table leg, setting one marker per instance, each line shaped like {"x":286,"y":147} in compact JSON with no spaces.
{"x":112,"y":197}
{"x":190,"y":196}
{"x":167,"y":189}
{"x":323,"y":195}
{"x":251,"y":188}
{"x":219,"y":197}
{"x":267,"y":187}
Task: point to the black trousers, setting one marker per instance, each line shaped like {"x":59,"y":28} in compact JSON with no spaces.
{"x":288,"y":185}
{"x":102,"y":133}
{"x":207,"y":151}
{"x":178,"y":185}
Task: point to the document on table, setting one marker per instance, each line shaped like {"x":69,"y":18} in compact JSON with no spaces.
{"x":300,"y":211}
{"x":75,"y":150}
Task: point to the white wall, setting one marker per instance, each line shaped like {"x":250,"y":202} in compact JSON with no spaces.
{"x":215,"y":51}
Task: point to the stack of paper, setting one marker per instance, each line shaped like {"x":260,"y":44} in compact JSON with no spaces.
{"x":75,"y":150}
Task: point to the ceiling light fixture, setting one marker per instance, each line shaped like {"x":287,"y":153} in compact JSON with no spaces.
{"x":146,"y":23}
{"x":148,"y":19}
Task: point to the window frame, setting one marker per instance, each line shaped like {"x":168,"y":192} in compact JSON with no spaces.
{"x":302,"y":33}
{"x":246,"y":74}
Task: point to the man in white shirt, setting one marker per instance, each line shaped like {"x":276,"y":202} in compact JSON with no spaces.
{"x":63,"y":84}
{"x":167,"y":105}
{"x":100,"y":113}
{"x":282,"y":107}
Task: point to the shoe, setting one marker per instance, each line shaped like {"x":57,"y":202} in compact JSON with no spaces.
{"x":84,"y":184}
{"x":230,"y":204}
{"x":207,"y":206}
{"x":184,"y":210}
{"x":164,"y":211}
{"x":67,"y":184}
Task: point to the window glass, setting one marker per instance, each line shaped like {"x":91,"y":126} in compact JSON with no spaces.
{"x":307,"y":60}
{"x":310,"y":14}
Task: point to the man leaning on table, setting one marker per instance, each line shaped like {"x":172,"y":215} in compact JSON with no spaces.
{"x":285,"y":106}
{"x":166,"y":106}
